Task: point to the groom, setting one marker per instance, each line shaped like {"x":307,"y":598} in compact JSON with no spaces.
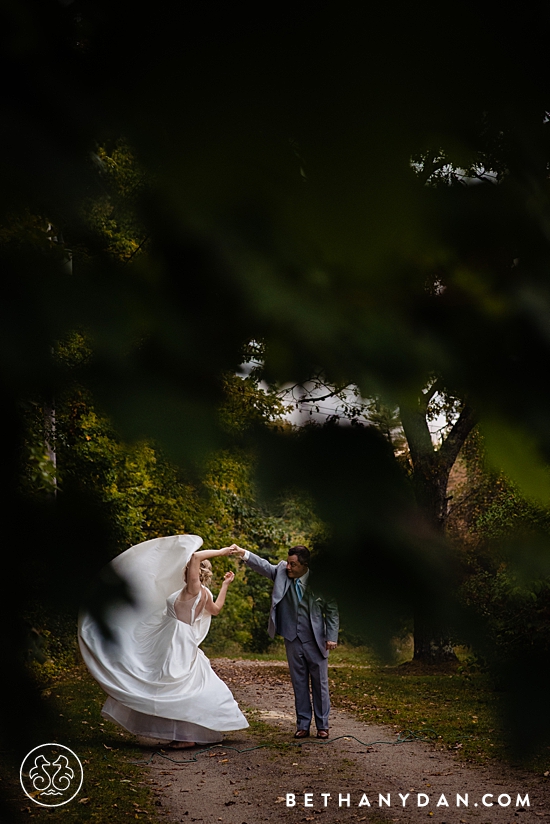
{"x":309,"y":624}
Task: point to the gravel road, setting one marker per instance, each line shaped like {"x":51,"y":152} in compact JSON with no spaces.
{"x":236,"y":783}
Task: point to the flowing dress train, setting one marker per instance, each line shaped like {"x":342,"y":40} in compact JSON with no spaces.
{"x":159,"y":683}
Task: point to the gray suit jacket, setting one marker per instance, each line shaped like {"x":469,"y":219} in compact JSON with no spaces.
{"x":323,"y":613}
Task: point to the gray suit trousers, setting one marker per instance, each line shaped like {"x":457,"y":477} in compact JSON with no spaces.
{"x":306,"y":663}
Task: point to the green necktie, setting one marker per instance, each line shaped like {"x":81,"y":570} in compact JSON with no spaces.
{"x":298,"y":587}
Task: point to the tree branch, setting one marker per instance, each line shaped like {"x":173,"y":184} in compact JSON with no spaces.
{"x":145,"y":239}
{"x":451,"y":446}
{"x":308,"y":397}
{"x":426,"y":397}
{"x":430,"y":169}
{"x":332,"y":394}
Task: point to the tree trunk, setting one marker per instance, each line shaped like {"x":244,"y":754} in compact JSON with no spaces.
{"x":432,"y":640}
{"x":431,"y":470}
{"x":49,"y":439}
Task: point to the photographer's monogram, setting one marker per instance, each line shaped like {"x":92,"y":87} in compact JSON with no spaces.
{"x":51,"y":775}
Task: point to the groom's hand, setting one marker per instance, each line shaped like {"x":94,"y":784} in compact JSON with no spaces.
{"x":236,"y":550}
{"x":331,"y":645}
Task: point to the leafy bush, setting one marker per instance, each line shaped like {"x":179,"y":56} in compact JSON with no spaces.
{"x":505,"y":540}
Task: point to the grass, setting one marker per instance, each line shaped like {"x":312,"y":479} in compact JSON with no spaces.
{"x":113,"y":788}
{"x":276,"y":652}
{"x":266,"y":734}
{"x":461,"y":707}
{"x":460,"y":710}
{"x":343,"y":654}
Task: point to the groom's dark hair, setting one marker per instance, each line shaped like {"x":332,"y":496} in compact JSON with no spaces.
{"x":301,"y":552}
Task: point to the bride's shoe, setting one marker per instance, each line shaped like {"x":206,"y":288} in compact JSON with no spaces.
{"x":181,"y":745}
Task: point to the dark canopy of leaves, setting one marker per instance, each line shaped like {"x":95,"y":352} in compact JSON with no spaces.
{"x":299,"y":192}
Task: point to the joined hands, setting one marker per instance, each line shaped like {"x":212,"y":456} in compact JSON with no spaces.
{"x":231,"y":550}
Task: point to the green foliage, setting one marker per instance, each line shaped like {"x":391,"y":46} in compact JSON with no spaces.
{"x":142,"y":492}
{"x":505,"y":542}
{"x":144,"y":495}
{"x":233,"y":514}
{"x":112,"y":215}
{"x":40,"y":470}
{"x":302,"y":221}
{"x":504,"y":539}
{"x":387,"y":420}
{"x":114,"y":787}
{"x":517,"y":613}
{"x":246,"y":404}
{"x":53,"y":652}
{"x":456,"y":711}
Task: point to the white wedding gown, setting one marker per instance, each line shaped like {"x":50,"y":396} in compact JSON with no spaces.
{"x":159,"y":683}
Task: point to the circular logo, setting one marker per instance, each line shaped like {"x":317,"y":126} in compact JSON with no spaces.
{"x":51,"y":775}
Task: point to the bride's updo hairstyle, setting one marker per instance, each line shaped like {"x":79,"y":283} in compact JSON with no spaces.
{"x":205,"y":573}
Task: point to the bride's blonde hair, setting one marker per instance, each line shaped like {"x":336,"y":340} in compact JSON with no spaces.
{"x":205,"y":573}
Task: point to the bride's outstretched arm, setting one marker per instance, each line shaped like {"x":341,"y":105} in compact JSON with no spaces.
{"x":203,"y":554}
{"x":193,"y":567}
{"x":214,"y":607}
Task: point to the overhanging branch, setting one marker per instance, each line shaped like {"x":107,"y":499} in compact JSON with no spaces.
{"x":451,"y":446}
{"x":426,"y":397}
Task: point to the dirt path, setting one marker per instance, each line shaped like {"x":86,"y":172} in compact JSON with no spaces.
{"x":250,"y":787}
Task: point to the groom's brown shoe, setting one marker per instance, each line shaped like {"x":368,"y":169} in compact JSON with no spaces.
{"x":322,"y":734}
{"x":301,"y":734}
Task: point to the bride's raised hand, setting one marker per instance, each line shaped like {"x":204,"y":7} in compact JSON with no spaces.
{"x":236,"y":550}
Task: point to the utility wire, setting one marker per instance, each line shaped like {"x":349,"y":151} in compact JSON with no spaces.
{"x":405,"y":737}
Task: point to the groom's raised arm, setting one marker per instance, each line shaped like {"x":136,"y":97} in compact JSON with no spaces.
{"x":256,"y":563}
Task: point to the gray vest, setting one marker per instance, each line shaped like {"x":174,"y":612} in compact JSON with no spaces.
{"x":293,"y":617}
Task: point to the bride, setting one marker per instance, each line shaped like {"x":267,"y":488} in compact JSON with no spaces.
{"x":159,"y":683}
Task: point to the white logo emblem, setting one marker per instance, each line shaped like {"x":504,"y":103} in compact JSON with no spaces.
{"x":51,"y":775}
